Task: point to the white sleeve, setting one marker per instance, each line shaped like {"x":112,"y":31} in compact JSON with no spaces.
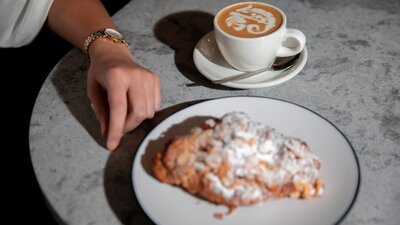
{"x":21,"y":20}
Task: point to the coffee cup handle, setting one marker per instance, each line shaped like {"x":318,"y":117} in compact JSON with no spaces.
{"x":293,"y":43}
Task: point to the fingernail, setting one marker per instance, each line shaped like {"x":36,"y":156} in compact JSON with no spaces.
{"x":112,"y":145}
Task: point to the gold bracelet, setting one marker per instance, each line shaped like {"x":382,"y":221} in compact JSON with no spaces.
{"x":107,"y":33}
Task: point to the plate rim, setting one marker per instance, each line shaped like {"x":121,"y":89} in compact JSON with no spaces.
{"x":205,"y":101}
{"x":237,"y":84}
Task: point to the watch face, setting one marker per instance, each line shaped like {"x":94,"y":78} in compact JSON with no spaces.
{"x":114,"y":33}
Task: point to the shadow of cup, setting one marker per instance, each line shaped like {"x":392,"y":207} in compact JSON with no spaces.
{"x":181,"y":31}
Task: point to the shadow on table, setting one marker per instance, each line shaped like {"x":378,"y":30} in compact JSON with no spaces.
{"x":181,"y":31}
{"x":118,"y":170}
{"x":70,"y":83}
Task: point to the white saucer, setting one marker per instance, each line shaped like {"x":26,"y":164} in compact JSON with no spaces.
{"x":212,"y":65}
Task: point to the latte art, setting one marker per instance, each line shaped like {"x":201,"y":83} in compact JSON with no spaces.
{"x":253,"y":20}
{"x":249,"y":20}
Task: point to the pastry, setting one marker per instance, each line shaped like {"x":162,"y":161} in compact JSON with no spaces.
{"x":236,"y":161}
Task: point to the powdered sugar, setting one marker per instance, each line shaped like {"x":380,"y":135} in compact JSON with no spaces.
{"x":255,"y":151}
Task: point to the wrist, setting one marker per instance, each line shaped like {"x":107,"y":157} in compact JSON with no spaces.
{"x":103,"y":48}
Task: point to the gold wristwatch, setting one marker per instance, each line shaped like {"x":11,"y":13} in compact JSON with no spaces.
{"x":107,"y":33}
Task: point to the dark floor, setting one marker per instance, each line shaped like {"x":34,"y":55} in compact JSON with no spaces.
{"x":23,"y":71}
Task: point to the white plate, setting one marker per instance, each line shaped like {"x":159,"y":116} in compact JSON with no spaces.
{"x":170,"y":205}
{"x":212,"y":65}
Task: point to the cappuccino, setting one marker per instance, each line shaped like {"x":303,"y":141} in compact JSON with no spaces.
{"x":250,"y":35}
{"x":249,"y":19}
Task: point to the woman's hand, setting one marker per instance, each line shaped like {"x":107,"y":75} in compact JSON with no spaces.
{"x":122,"y":92}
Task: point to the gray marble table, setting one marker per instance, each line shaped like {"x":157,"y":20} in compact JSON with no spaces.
{"x":351,"y":78}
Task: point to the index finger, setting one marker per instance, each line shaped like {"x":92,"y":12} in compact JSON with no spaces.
{"x":118,"y":109}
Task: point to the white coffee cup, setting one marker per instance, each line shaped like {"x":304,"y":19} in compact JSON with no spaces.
{"x":267,"y":36}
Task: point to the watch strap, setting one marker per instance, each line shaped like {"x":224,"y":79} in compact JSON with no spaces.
{"x":102,"y":33}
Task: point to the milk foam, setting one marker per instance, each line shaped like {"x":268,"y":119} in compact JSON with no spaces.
{"x":251,"y":19}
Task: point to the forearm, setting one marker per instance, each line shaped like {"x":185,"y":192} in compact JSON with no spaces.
{"x":74,"y":20}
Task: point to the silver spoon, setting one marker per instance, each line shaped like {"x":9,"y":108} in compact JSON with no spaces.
{"x":279,"y":64}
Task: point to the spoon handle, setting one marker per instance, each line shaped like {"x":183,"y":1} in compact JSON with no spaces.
{"x":245,"y":75}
